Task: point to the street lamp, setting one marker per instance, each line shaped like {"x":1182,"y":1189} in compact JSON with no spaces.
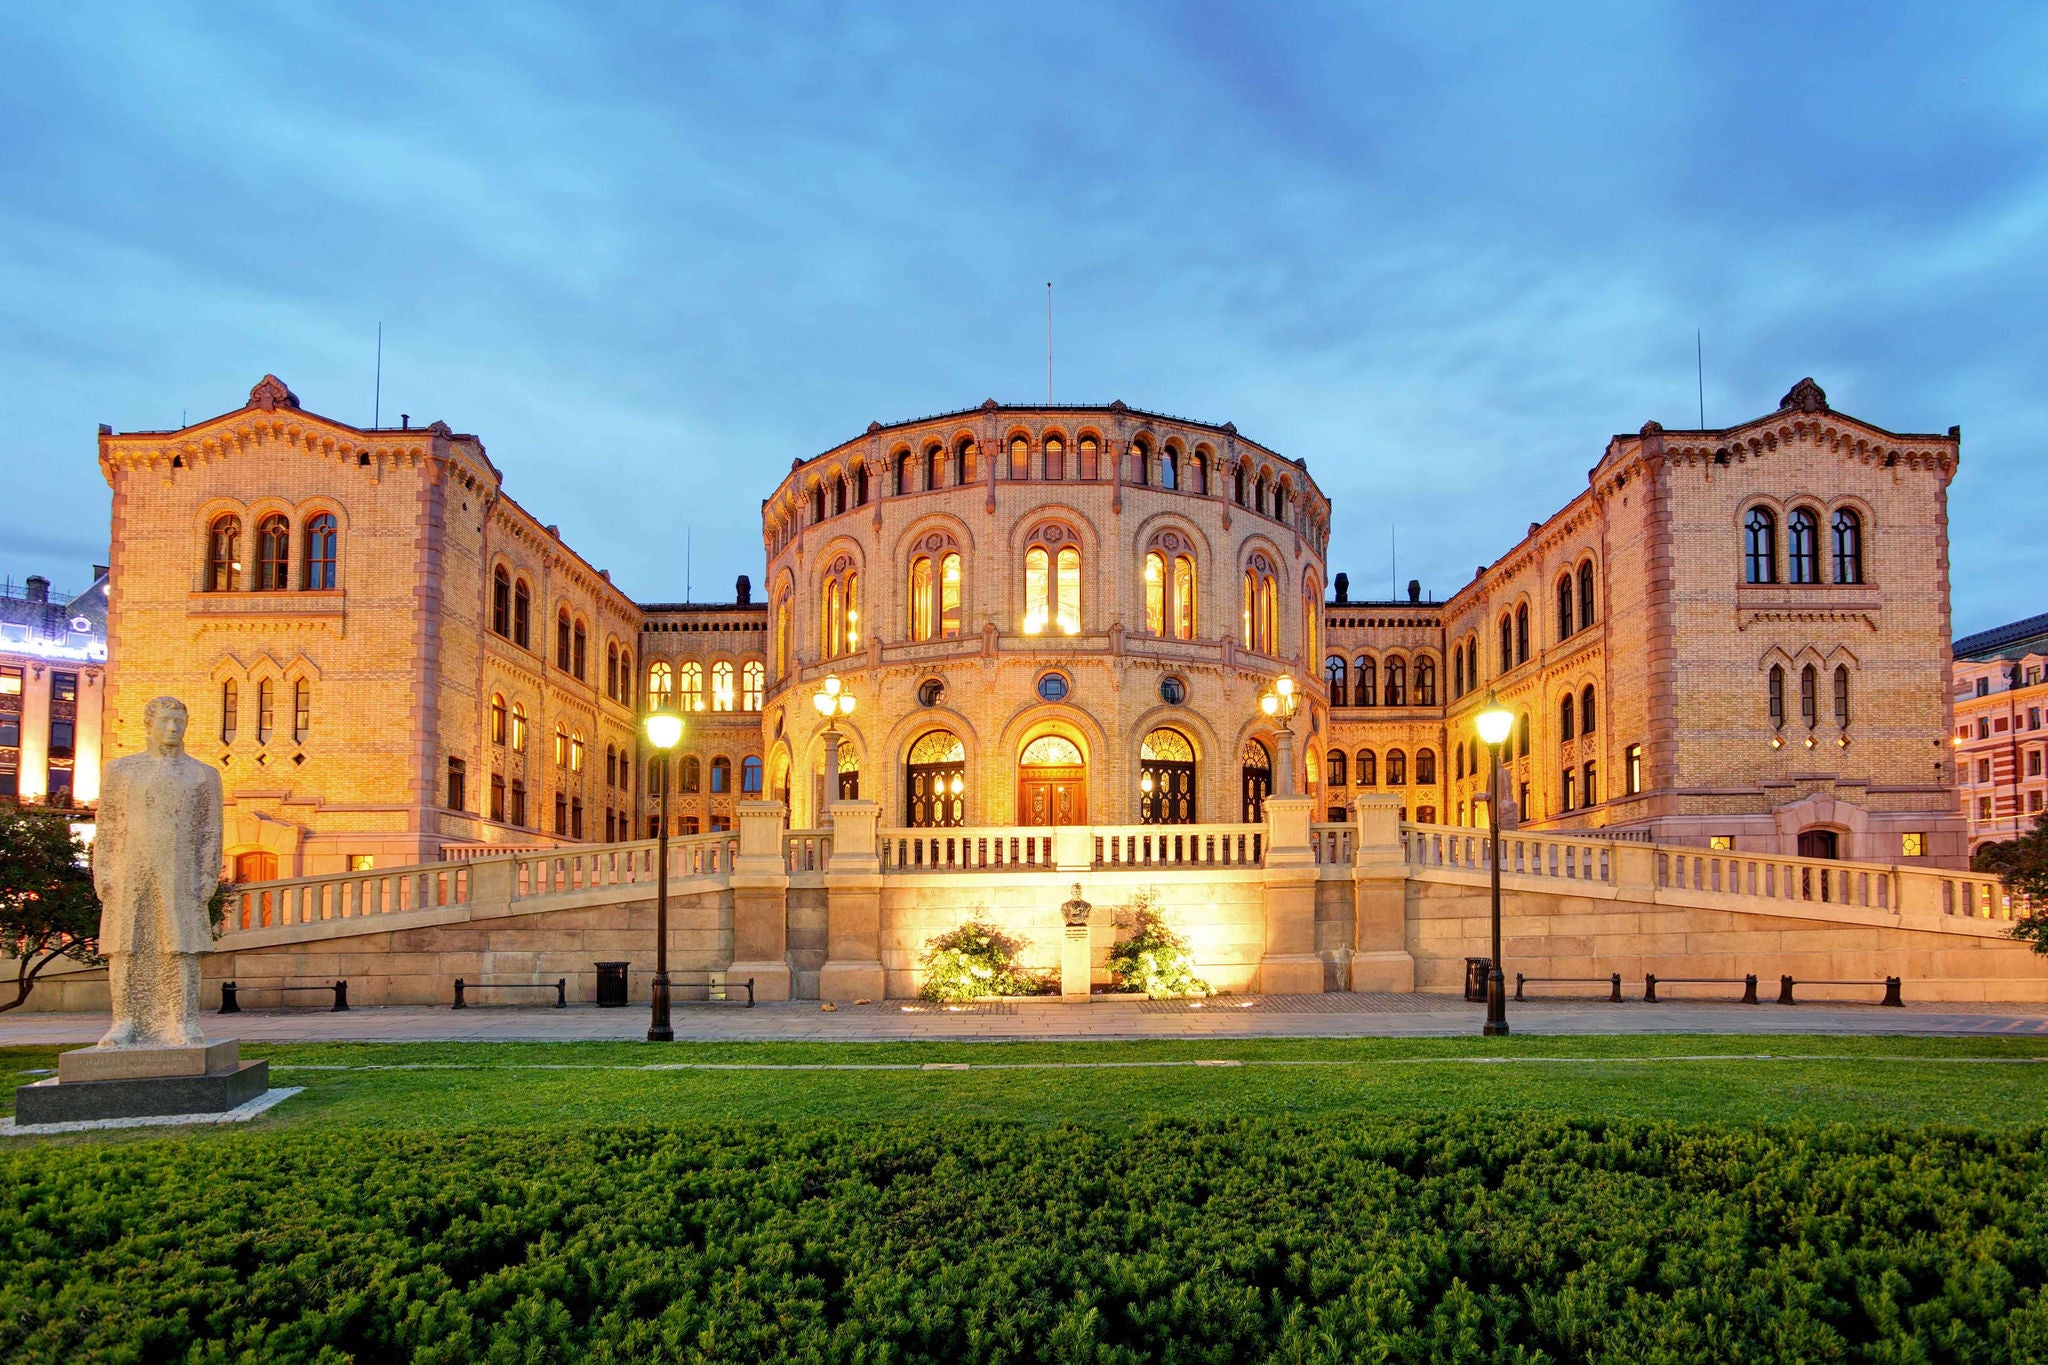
{"x":1495,"y":722}
{"x":1279,"y":701}
{"x":833,"y":701}
{"x":664,"y":731}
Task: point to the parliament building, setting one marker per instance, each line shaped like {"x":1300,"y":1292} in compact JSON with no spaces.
{"x":1046,"y":615}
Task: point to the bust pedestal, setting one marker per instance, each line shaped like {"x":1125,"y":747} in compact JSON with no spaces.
{"x":143,"y":1082}
{"x":1074,"y":964}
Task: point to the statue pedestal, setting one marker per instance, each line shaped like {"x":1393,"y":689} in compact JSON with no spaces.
{"x":1074,"y":965}
{"x":143,"y":1082}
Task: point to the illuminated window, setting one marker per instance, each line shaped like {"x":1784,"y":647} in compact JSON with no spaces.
{"x":1020,"y":458}
{"x":320,"y":554}
{"x":273,"y":554}
{"x":224,"y":554}
{"x":1425,"y":681}
{"x":1912,"y":845}
{"x":576,"y":752}
{"x":949,"y":596}
{"x":753,"y":679}
{"x":1091,"y":459}
{"x":690,"y":695}
{"x":1723,"y":842}
{"x":519,"y":727}
{"x":921,"y":598}
{"x":1632,"y":760}
{"x":721,"y":686}
{"x":499,"y":719}
{"x":1155,"y":593}
{"x":841,"y":625}
{"x":782,"y":636}
{"x":1055,"y":458}
{"x":561,"y":746}
{"x":1367,"y":769}
{"x":689,"y":777}
{"x":1261,"y":607}
{"x":1183,"y":598}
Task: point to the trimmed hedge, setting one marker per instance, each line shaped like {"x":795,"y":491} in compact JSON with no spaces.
{"x":1257,"y":1240}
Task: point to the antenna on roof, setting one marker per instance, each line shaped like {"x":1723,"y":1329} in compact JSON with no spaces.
{"x":1048,"y":342}
{"x":1393,"y":567}
{"x":377,"y":409}
{"x":1699,"y":370}
{"x":689,"y":545}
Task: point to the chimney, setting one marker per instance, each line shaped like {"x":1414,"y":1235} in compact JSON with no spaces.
{"x":1343,"y":589}
{"x":1414,"y":590}
{"x":743,"y":591}
{"x":99,"y":571}
{"x":38,"y":588}
{"x":405,"y":421}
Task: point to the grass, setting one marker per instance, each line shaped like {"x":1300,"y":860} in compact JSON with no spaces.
{"x":1984,"y":1083}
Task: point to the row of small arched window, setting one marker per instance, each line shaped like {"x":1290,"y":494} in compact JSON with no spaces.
{"x":1574,"y":590}
{"x":266,"y":710}
{"x":690,"y":775}
{"x":1802,"y":546}
{"x":1809,"y":695}
{"x":1359,"y":684}
{"x":1364,"y":770}
{"x":318,"y":554}
{"x":512,"y":619}
{"x":682,"y":686}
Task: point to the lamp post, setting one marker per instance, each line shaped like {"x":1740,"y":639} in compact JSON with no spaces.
{"x":1279,"y":701}
{"x":664,"y":731}
{"x":1495,"y":722}
{"x":833,"y":701}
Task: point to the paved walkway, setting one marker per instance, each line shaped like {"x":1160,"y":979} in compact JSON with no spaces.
{"x":1275,"y":1016}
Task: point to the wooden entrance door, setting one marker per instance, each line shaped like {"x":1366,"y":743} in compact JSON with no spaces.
{"x":1052,"y":796}
{"x":1818,"y":843}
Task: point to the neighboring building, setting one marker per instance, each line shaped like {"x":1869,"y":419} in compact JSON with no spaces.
{"x":2001,"y":735}
{"x":53,"y":659}
{"x":1047,"y":615}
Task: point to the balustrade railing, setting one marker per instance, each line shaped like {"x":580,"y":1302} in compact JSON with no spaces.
{"x":1978,"y":898}
{"x":1773,"y":878}
{"x":347,"y":895}
{"x":967,"y":850}
{"x":1333,"y":844}
{"x":1180,"y":846}
{"x":1564,"y":857}
{"x":806,"y":850}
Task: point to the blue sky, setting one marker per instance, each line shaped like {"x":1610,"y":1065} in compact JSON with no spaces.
{"x":652,"y":253}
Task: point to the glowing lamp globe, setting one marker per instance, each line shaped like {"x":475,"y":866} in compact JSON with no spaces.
{"x":664,"y":730}
{"x":1494,"y":724}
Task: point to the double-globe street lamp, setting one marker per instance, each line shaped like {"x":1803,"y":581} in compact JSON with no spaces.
{"x":833,"y":701}
{"x":1494,"y":723}
{"x":664,"y":729}
{"x":1279,"y":702}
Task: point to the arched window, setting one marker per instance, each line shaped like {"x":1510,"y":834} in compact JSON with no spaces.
{"x":1155,"y":592}
{"x":626,"y":676}
{"x":1052,"y":583}
{"x":1567,"y":716}
{"x":1166,"y":779}
{"x":576,"y":751}
{"x":949,"y":588}
{"x":582,"y":640}
{"x":1425,"y":681}
{"x":689,"y":776}
{"x":1848,"y":546}
{"x":902,"y":476}
{"x":273,"y":554}
{"x":1255,"y":776}
{"x":920,"y":593}
{"x":1364,"y":685}
{"x":1261,"y":492}
{"x":562,"y":632}
{"x":1055,"y":458}
{"x":522,"y":615}
{"x":1020,"y":458}
{"x":1760,"y":546}
{"x":841,"y":626}
{"x":1239,"y":479}
{"x":721,"y":774}
{"x":860,"y":484}
{"x":501,"y":602}
{"x":611,"y":766}
{"x":935,"y":466}
{"x":1586,"y":710}
{"x":1802,"y":543}
{"x":517,"y":814}
{"x":1522,"y":736}
{"x":1397,"y":683}
{"x":782,"y":636}
{"x":266,"y":710}
{"x":1261,"y":607}
{"x":561,"y":745}
{"x":750,"y":776}
{"x":1091,"y":459}
{"x":753,"y":684}
{"x":321,"y":544}
{"x":690,"y":690}
{"x":1507,"y":642}
{"x":1457,"y":671}
{"x":1199,"y":474}
{"x":230,"y":710}
{"x":1458,"y":763}
{"x":1585,"y":594}
{"x":1564,"y":607}
{"x":1809,"y":698}
{"x":498,"y":718}
{"x":1425,"y":767}
{"x":611,"y":669}
{"x":966,"y":459}
{"x":1777,"y":697}
{"x":302,"y":709}
{"x":1183,"y":597}
{"x":1335,"y":677}
{"x":721,"y":686}
{"x":1335,"y":762}
{"x":661,"y":686}
{"x":224,"y":554}
{"x":1842,"y":696}
{"x":1368,"y":769}
{"x":1141,"y":463}
{"x":1397,"y":768}
{"x":1169,"y":468}
{"x":817,"y":503}
{"x":935,"y":782}
{"x":1522,"y":633}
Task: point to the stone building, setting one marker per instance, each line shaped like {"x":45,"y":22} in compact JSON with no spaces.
{"x":2001,"y":747}
{"x":1046,"y":615}
{"x":53,"y":659}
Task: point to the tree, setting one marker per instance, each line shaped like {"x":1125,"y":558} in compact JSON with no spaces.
{"x":2022,"y":864}
{"x":48,"y":908}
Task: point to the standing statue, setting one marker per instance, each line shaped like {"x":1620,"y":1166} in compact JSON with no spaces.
{"x":1075,"y":911}
{"x":156,"y":863}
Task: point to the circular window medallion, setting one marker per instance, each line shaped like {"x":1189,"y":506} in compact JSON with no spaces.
{"x":931,"y":692}
{"x":1053,"y":687}
{"x":1172,"y":691}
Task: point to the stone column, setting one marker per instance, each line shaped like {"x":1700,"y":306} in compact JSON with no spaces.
{"x":1290,"y":965}
{"x":1381,"y":960}
{"x":760,"y":902}
{"x":853,"y":907}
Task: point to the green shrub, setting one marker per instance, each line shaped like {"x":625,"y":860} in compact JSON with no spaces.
{"x":1498,"y":1239}
{"x":1154,"y":959}
{"x":974,"y":960}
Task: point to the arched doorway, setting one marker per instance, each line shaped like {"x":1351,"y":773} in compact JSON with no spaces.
{"x":1166,"y":779}
{"x":935,"y":782}
{"x":1052,"y":783}
{"x":255,"y":867}
{"x":1819,"y":843}
{"x":1257,"y":780}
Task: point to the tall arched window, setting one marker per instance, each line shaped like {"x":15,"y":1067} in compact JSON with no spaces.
{"x":1397,"y":768}
{"x":840,"y":632}
{"x":949,"y":589}
{"x":1365,"y":683}
{"x":1183,"y":597}
{"x":935,"y":784}
{"x":1425,"y":766}
{"x":1777,"y":697}
{"x":782,"y":636}
{"x":935,"y":466}
{"x":753,"y":679}
{"x":611,"y":669}
{"x":1809,"y":696}
{"x":501,"y":602}
{"x":1848,"y":546}
{"x":1425,"y":681}
{"x":499,"y":717}
{"x":1020,"y":458}
{"x":689,"y":776}
{"x":1567,"y":716}
{"x":920,"y":594}
{"x":750,"y":775}
{"x":1802,"y":543}
{"x":1262,"y":492}
{"x":860,"y":484}
{"x":518,"y":727}
{"x":1261,"y":607}
{"x":522,"y":615}
{"x":661,"y":686}
{"x":266,"y":710}
{"x":1335,"y":676}
{"x":817,"y":503}
{"x":1522,"y":633}
{"x":1564,"y":607}
{"x":1091,"y":459}
{"x":1169,"y":468}
{"x":1507,"y":642}
{"x":1457,"y":671}
{"x":1155,"y":592}
{"x":1166,"y":779}
{"x":721,"y":686}
{"x":1842,"y":696}
{"x":721,"y":774}
{"x":626,"y":676}
{"x":302,"y":708}
{"x":1522,"y":736}
{"x":562,"y":633}
{"x":582,"y":641}
{"x":1586,"y":710}
{"x":690,"y":686}
{"x":1239,"y":479}
{"x":900,"y":484}
{"x":321,"y":545}
{"x":1052,"y":583}
{"x":967,"y":460}
{"x":1055,"y":458}
{"x":1337,"y":765}
{"x":223,"y":554}
{"x":1198,"y":474}
{"x":230,"y":710}
{"x":1397,"y":683}
{"x":1760,"y":547}
{"x":1141,"y":463}
{"x":576,"y":751}
{"x":1368,"y":769}
{"x":1585,"y":594}
{"x":273,"y":554}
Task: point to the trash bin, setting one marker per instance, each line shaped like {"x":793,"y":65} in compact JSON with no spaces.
{"x":1477,"y":970}
{"x":611,"y":983}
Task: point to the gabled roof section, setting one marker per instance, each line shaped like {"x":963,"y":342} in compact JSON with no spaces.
{"x":1999,"y":641}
